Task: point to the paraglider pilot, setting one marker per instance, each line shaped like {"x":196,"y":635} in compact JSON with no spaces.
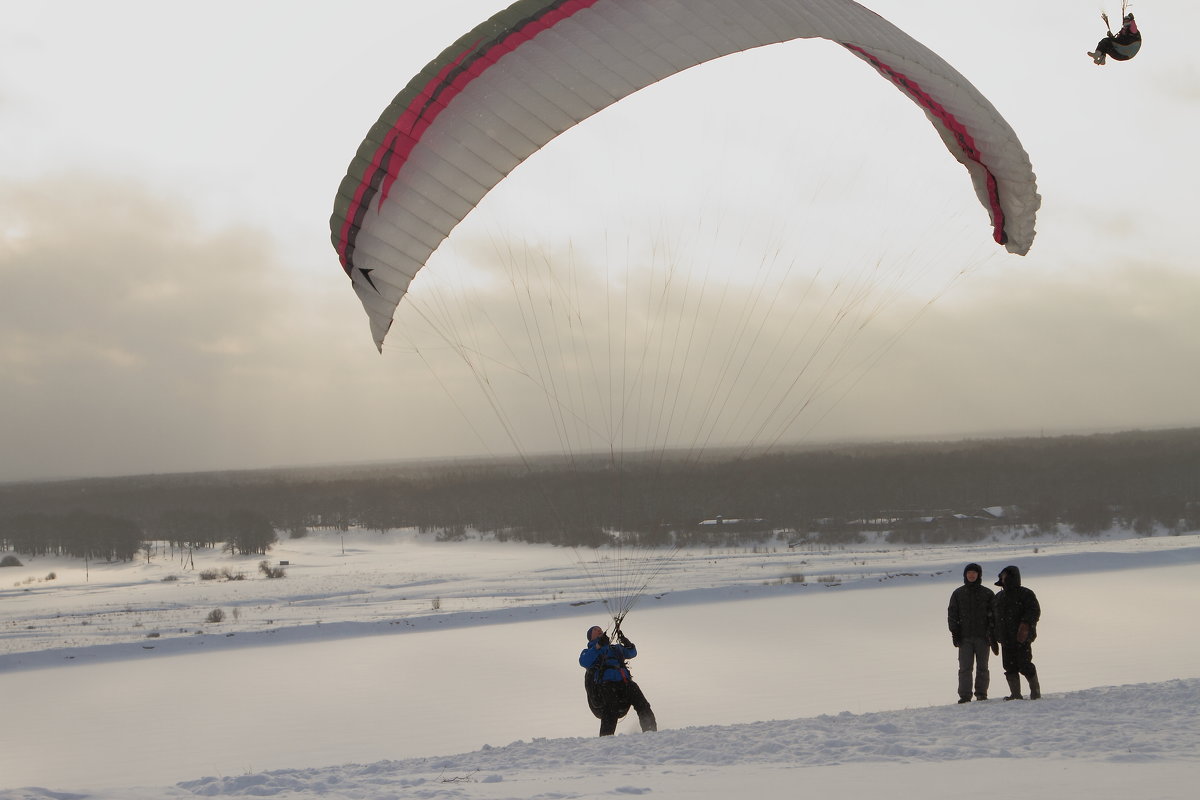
{"x":610,"y":687}
{"x":1120,"y":46}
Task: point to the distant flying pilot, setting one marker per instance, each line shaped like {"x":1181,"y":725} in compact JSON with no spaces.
{"x":1120,"y":46}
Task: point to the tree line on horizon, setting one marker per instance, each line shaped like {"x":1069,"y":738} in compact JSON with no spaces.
{"x":108,"y":537}
{"x":916,"y":492}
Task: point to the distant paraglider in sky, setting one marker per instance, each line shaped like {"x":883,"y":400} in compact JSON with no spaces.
{"x":1122,"y":45}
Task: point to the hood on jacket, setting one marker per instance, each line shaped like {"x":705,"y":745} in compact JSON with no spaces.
{"x":1013,"y":573}
{"x":978,"y":569}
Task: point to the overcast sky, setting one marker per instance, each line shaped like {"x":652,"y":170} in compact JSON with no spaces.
{"x":170,"y":301}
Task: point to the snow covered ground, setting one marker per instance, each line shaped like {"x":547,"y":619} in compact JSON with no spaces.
{"x":773,"y":673}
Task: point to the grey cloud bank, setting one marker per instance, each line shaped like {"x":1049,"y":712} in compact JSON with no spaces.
{"x":136,"y":340}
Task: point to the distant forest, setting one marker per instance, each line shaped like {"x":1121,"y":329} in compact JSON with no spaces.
{"x":916,"y":492}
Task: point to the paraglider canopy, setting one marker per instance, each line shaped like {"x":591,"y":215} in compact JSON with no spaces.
{"x":537,"y":68}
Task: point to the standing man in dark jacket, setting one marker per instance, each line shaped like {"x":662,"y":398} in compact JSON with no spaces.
{"x":1017,"y":615}
{"x":972,"y":630}
{"x":610,"y":687}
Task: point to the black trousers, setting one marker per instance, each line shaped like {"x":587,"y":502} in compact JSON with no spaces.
{"x":1109,"y":48}
{"x":1018,"y":660}
{"x":615,"y":700}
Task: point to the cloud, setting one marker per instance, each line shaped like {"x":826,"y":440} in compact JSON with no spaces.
{"x":1109,"y":346}
{"x":134,"y":338}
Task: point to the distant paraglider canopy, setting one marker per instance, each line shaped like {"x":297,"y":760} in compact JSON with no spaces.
{"x":640,"y":359}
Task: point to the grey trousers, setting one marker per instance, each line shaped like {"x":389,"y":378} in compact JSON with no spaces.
{"x":973,"y":653}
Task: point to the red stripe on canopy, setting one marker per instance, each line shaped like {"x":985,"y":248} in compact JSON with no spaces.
{"x":425,"y":106}
{"x":966,"y":142}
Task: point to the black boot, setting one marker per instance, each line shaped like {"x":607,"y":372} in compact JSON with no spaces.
{"x":1035,"y":688}
{"x":1014,"y":687}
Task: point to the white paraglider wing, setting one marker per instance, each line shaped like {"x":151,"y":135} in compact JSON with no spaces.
{"x":532,"y":71}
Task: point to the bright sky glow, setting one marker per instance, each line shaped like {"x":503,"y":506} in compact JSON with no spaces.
{"x":169,"y":299}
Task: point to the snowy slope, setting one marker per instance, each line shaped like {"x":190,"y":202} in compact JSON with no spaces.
{"x":1117,"y":742}
{"x":851,"y":680}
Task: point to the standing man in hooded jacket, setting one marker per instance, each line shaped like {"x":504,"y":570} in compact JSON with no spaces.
{"x":970,"y":616}
{"x":610,"y":687}
{"x":1017,"y":614}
